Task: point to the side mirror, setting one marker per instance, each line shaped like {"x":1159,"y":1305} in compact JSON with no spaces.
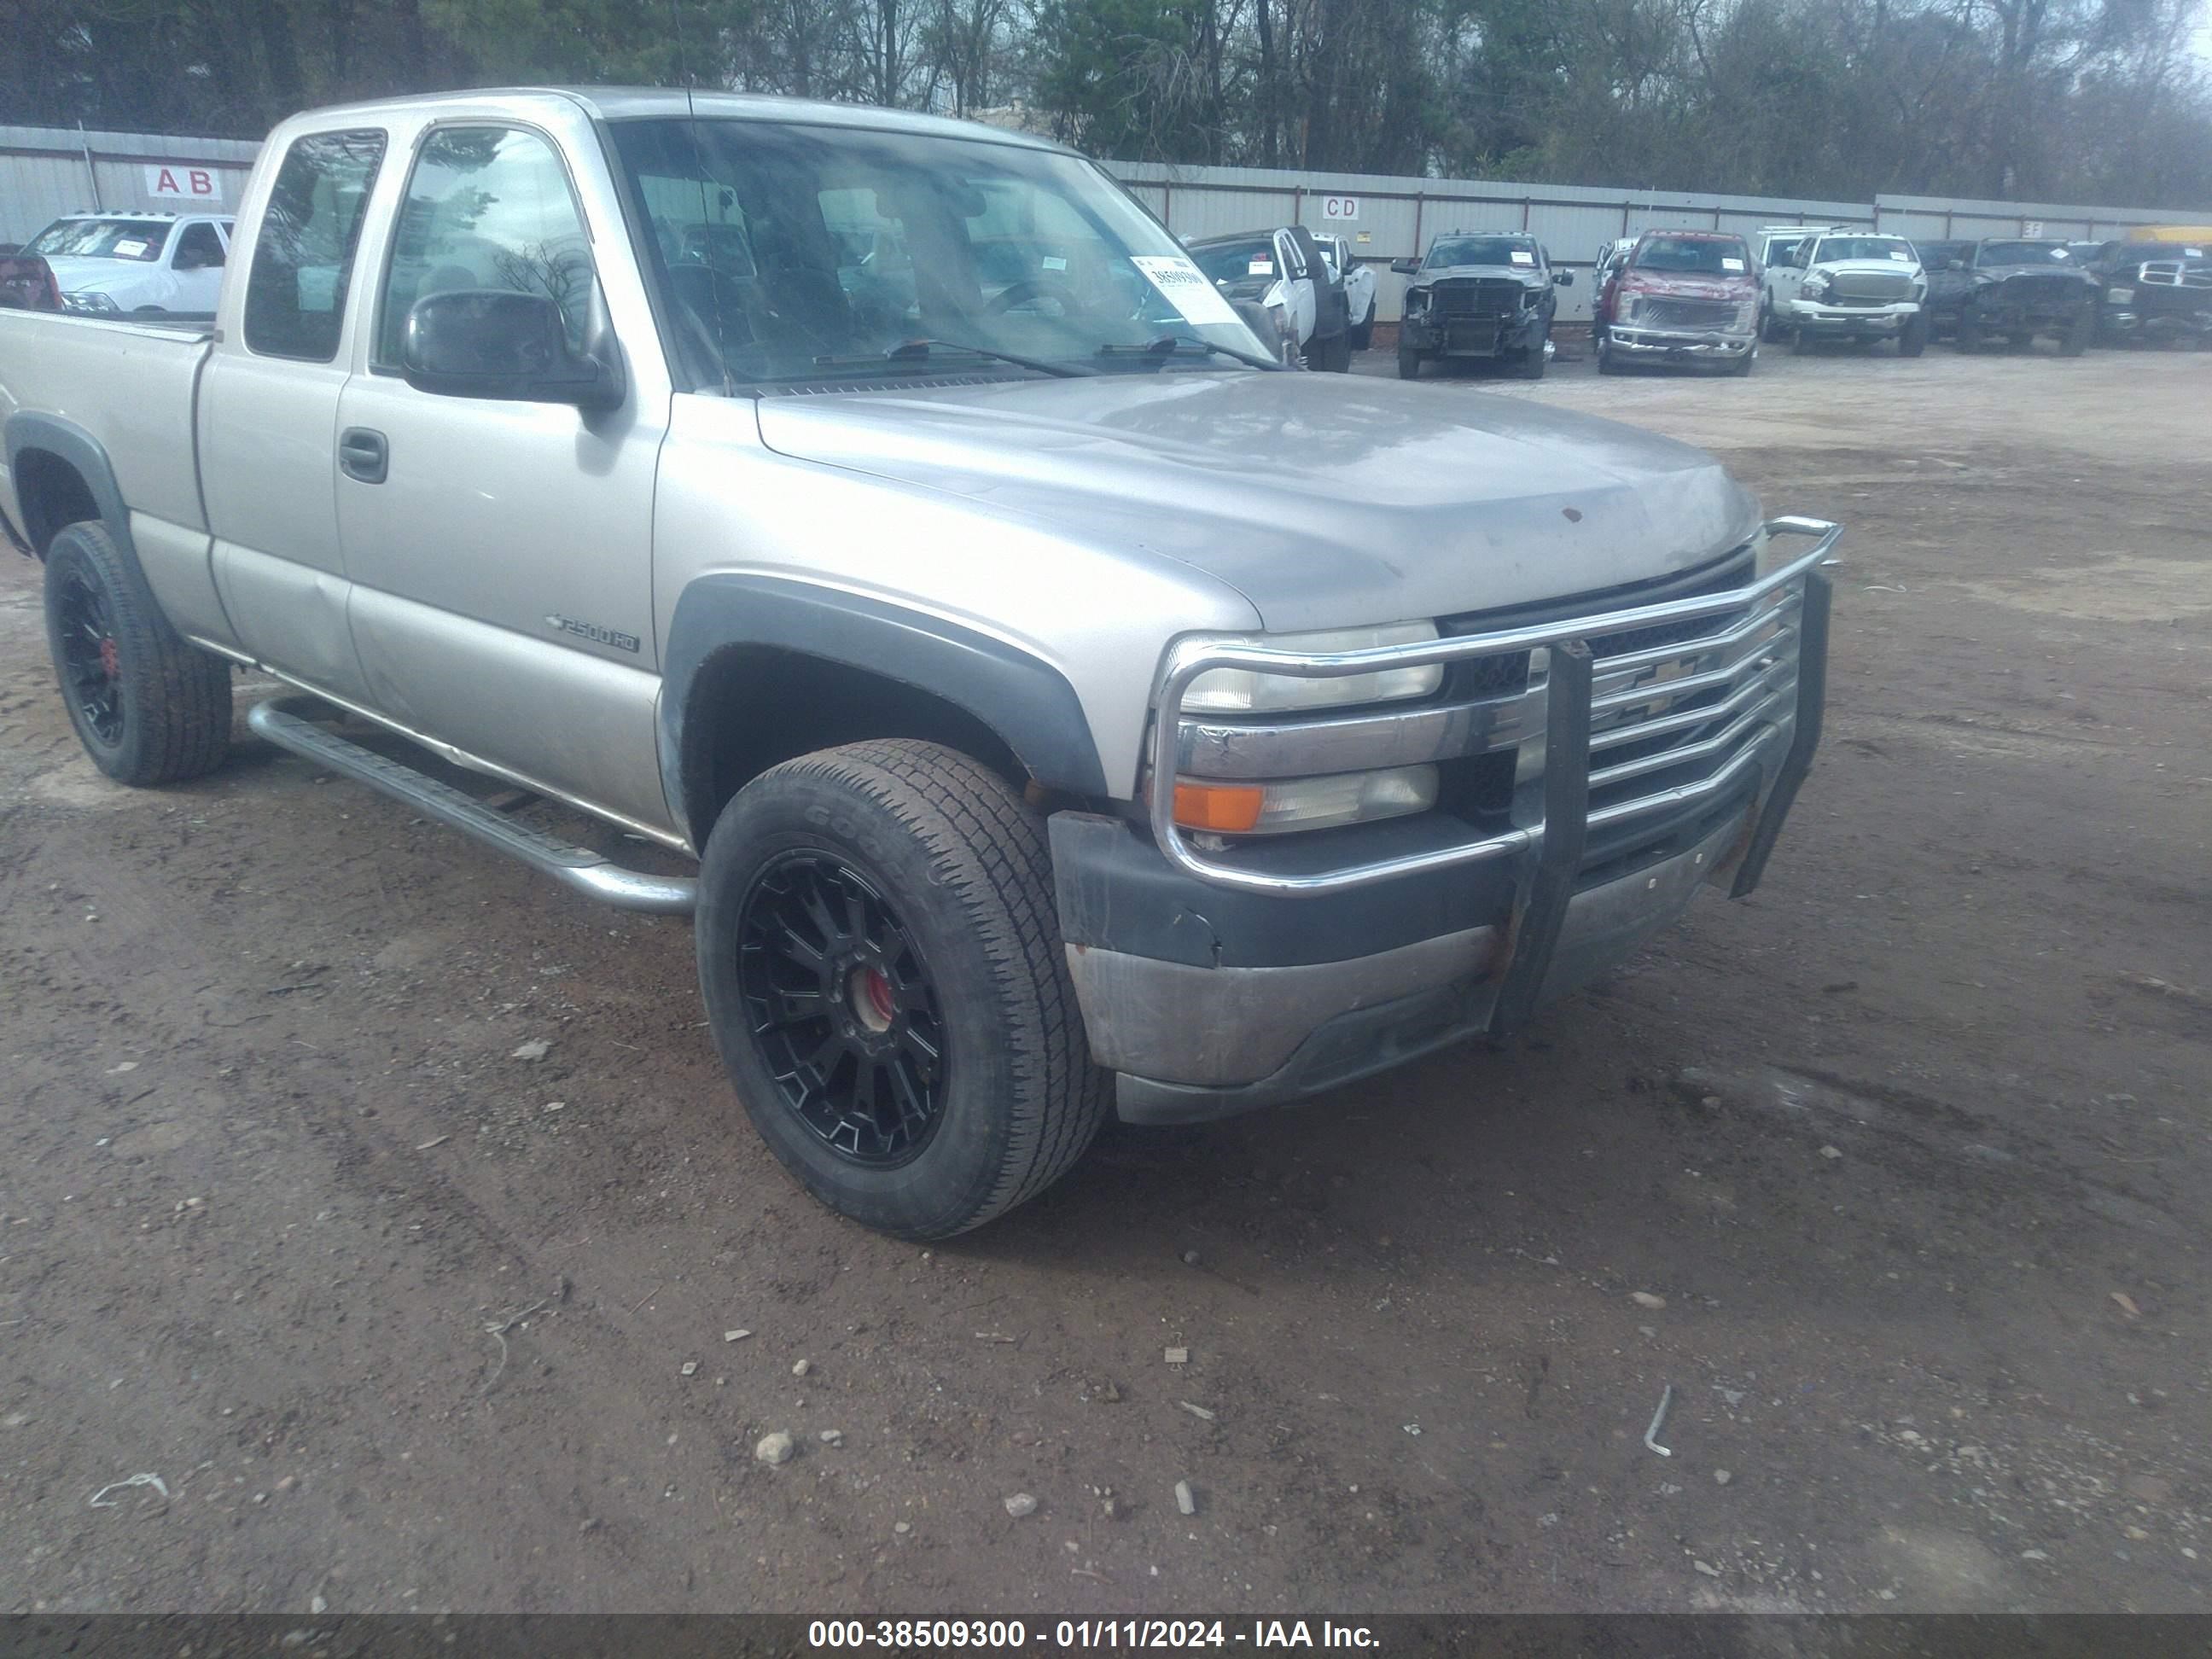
{"x":1955,"y":264}
{"x":494,"y":343}
{"x":1563,"y":278}
{"x":1405,"y":267}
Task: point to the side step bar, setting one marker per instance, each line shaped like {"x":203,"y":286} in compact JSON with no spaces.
{"x":590,"y":873}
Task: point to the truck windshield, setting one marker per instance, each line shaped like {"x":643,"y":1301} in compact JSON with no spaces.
{"x":789,"y":253}
{"x":2024,"y":253}
{"x":136,"y":239}
{"x":1235,"y":262}
{"x":1863,"y":247}
{"x":1481,"y":251}
{"x":1704,"y":256}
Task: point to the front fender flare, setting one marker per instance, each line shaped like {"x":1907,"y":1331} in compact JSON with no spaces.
{"x":1025,"y":700}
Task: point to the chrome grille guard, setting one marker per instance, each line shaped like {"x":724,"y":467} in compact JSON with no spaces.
{"x":1551,"y":847}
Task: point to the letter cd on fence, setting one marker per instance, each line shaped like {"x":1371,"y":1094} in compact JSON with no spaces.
{"x":173,"y":179}
{"x":1338,"y":210}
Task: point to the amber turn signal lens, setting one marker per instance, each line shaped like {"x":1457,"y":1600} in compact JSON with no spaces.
{"x":1232,"y":809}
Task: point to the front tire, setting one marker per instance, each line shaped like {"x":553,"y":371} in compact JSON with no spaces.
{"x":1409,"y":364}
{"x":1968,"y":337}
{"x":149,"y":707}
{"x":1913,"y":339}
{"x":1531,"y":365}
{"x":885,"y":980}
{"x":2079,"y":332}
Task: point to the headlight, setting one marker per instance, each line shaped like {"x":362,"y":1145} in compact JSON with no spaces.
{"x":1289,"y":803}
{"x":1816,"y":286}
{"x":90,"y":300}
{"x":2120,"y":297}
{"x":1416,"y":299}
{"x":1244,"y":691}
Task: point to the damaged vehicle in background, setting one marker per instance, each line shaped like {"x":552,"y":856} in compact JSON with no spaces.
{"x":1282,"y":271}
{"x":1478,"y":296}
{"x":1680,"y":297}
{"x":2017,"y":289}
{"x":2154,"y":294}
{"x":1943,"y":269}
{"x":1853,"y":288}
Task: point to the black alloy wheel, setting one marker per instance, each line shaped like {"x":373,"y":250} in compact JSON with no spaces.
{"x":91,"y":657}
{"x":842,"y":1002}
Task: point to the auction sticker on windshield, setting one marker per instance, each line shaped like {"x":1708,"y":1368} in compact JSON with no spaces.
{"x":1520,"y":255}
{"x":1185,"y":286}
{"x":1731,"y":264}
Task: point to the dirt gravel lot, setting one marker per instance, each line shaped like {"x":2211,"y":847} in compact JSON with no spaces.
{"x":1913,"y":1146}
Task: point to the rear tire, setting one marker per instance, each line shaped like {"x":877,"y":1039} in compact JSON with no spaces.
{"x":149,"y":707}
{"x":884,"y":976}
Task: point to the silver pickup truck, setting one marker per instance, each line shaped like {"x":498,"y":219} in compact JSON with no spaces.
{"x":1069,"y":709}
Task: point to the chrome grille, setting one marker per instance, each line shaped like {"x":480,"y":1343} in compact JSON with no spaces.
{"x":2177,"y":273}
{"x":1879,"y":287}
{"x":1658,"y":311}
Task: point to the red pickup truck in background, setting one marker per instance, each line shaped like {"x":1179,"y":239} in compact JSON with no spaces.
{"x":1680,"y":296}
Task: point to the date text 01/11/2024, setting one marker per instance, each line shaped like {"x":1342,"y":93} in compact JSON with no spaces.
{"x":1012,"y":1634}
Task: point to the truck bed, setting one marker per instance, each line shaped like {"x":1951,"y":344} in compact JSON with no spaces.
{"x":127,"y":386}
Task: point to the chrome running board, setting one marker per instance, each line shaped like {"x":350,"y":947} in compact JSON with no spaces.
{"x":593,"y":874}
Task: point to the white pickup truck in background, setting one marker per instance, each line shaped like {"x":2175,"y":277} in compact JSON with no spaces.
{"x":110,"y":264}
{"x":1358,"y":286}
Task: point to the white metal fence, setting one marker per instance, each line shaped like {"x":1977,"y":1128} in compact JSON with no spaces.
{"x":48,"y":171}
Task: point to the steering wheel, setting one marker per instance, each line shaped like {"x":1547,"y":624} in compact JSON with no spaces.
{"x":1030,"y":292}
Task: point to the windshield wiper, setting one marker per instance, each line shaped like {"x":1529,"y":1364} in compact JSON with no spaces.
{"x":1168,"y":345}
{"x":923,"y":351}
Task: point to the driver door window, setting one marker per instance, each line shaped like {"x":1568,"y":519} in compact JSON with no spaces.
{"x":487,"y":208}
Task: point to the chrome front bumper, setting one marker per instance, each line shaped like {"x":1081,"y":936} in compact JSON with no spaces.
{"x":1677,"y":343}
{"x":1733,"y":707}
{"x":1884,"y":319}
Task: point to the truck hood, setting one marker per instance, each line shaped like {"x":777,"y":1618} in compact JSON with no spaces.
{"x":75,"y":275}
{"x":1521,"y":274}
{"x":1881,"y":267}
{"x":1326,"y":501}
{"x":1688,"y":285}
{"x":2005,"y":273}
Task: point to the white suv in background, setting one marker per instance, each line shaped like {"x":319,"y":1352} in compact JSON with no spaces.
{"x":107,"y":264}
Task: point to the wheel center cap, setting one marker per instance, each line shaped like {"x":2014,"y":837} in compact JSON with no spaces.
{"x":869,"y":991}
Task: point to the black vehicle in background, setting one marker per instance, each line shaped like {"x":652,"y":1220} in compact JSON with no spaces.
{"x":2017,"y":288}
{"x":1483,"y":295}
{"x":1945,"y":264}
{"x":2154,"y":294}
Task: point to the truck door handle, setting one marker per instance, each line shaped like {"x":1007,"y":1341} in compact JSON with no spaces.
{"x":363,"y":454}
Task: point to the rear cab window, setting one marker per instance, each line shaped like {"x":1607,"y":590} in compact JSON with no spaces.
{"x":303,"y":258}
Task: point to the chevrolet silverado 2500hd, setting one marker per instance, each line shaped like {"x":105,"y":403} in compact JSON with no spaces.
{"x":1067,"y":709}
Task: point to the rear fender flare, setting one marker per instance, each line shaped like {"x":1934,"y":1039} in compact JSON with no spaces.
{"x":69,"y":442}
